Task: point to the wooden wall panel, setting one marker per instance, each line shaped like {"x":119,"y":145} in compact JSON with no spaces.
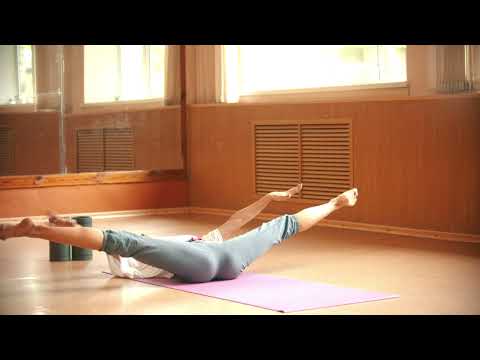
{"x":93,"y":198}
{"x":416,"y":162}
{"x":36,"y":139}
{"x":157,"y":135}
{"x":158,"y":138}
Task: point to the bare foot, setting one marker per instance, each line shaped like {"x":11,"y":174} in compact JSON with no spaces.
{"x":285,"y":195}
{"x":58,"y":221}
{"x":348,"y":198}
{"x":21,"y":229}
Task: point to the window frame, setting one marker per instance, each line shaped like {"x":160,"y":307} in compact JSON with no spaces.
{"x":390,"y":89}
{"x":115,"y":105}
{"x":341,"y":88}
{"x":26,"y":107}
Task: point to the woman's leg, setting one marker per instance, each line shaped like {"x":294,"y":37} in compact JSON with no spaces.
{"x":88,"y":238}
{"x":238,"y":253}
{"x":312,"y":215}
{"x":191,"y":262}
{"x":243,"y":216}
{"x":241,"y":251}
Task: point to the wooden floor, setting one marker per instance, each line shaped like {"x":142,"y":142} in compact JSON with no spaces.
{"x":431,"y":276}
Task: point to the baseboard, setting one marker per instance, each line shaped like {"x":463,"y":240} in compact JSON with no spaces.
{"x":440,"y":235}
{"x":421,"y":233}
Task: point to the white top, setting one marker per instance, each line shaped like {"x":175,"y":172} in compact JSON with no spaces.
{"x":131,"y":268}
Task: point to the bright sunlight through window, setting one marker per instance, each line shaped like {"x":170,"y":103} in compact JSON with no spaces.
{"x":254,"y":69}
{"x":16,"y":74}
{"x":123,"y":72}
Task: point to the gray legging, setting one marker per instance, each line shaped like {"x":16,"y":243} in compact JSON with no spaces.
{"x":197,"y":261}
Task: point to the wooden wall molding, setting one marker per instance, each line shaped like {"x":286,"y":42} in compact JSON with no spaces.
{"x":92,"y":178}
{"x":93,"y":110}
{"x":445,"y":97}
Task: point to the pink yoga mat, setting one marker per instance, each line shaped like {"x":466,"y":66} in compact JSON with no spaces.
{"x":275,"y":293}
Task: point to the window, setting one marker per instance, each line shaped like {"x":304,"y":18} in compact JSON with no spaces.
{"x":16,"y":74}
{"x":123,"y":72}
{"x":458,"y":68}
{"x":254,"y":69}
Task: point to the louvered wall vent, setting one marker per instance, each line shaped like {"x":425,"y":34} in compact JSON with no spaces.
{"x":7,"y":151}
{"x":109,"y":149}
{"x":317,"y":154}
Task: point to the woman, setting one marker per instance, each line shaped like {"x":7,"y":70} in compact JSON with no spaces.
{"x":195,"y":259}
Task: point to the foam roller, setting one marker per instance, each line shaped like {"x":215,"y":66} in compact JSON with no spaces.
{"x":79,"y":253}
{"x":60,"y":252}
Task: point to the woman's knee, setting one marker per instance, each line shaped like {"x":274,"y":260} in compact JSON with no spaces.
{"x":282,"y":227}
{"x":121,"y":243}
{"x":292,"y":226}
